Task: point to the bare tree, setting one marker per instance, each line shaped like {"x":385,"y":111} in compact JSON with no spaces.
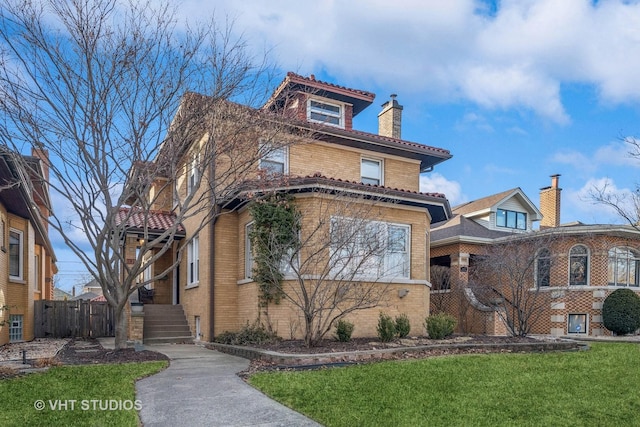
{"x":512,"y":276}
{"x":625,"y":204}
{"x":338,"y":263}
{"x":94,"y":87}
{"x":440,"y":287}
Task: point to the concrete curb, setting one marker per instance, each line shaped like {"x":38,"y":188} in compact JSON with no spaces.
{"x":291,"y":359}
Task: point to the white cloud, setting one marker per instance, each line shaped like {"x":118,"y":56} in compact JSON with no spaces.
{"x":518,"y":57}
{"x":616,"y":154}
{"x":575,"y":159}
{"x":475,"y":121}
{"x":580,"y":202}
{"x":435,"y":183}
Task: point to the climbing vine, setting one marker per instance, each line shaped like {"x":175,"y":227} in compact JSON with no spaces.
{"x":274,"y":235}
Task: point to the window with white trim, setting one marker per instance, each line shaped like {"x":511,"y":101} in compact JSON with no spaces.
{"x":511,"y":219}
{"x":193,"y":173}
{"x":623,"y":267}
{"x":577,"y":323}
{"x":325,"y":112}
{"x":16,"y":262}
{"x":273,"y":159}
{"x":371,"y":171}
{"x":193,"y":261}
{"x":37,"y":272}
{"x":248,"y":252}
{"x":15,"y":327}
{"x":369,"y":249}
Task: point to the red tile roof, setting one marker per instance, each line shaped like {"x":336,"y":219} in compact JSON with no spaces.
{"x":388,"y":139}
{"x":311,"y":81}
{"x":154,"y":220}
{"x":318,"y":177}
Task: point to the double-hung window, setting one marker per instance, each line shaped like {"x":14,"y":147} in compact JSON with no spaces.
{"x":273,"y":159}
{"x":193,"y":261}
{"x":248,"y":252}
{"x":371,"y":171}
{"x":193,"y":174}
{"x":373,"y":249}
{"x":511,"y":219}
{"x":16,"y":262}
{"x":325,"y":112}
{"x":288,"y":263}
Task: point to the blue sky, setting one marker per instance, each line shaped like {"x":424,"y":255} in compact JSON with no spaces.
{"x":517,"y":90}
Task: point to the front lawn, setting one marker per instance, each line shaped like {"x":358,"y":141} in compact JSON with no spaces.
{"x":598,"y":387}
{"x":88,"y":395}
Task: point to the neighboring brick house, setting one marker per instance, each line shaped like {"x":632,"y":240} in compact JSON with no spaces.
{"x":576,"y":266}
{"x":213,"y":282}
{"x":26,"y":255}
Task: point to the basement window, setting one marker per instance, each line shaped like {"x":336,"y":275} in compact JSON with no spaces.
{"x":577,"y":323}
{"x":15,"y":327}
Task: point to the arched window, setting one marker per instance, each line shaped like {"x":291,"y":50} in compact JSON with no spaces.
{"x":624,"y":267}
{"x":578,"y":265}
{"x":543,"y":267}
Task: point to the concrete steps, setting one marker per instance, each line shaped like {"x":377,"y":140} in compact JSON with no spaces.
{"x":164,"y":323}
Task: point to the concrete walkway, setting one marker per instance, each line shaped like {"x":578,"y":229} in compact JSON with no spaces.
{"x":201,"y":388}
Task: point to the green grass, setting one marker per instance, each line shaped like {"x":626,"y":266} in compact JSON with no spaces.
{"x":599,"y":387}
{"x":67,"y":383}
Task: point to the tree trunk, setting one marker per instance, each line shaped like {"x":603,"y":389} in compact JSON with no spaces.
{"x":121,"y":327}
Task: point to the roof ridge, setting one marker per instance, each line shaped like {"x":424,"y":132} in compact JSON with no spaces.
{"x":312,"y":79}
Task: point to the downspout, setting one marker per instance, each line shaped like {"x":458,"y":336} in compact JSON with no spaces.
{"x":212,"y":256}
{"x":212,"y":263}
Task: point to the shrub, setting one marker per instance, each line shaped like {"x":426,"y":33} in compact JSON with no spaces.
{"x":344,"y":329}
{"x":249,"y":334}
{"x":403,"y":326}
{"x":621,"y":312}
{"x":440,"y":325}
{"x":386,"y":328}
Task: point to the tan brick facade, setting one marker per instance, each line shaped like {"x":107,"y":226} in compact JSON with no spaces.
{"x":224,"y":298}
{"x":17,"y":295}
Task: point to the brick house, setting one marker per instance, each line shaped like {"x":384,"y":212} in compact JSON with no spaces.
{"x":576,"y":266}
{"x":213,"y":283}
{"x":26,"y":255}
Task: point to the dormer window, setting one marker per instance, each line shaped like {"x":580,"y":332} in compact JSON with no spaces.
{"x":325,"y":112}
{"x":511,"y":219}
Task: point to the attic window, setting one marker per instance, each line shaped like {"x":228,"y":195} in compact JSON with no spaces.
{"x":511,"y":219}
{"x":326,"y":113}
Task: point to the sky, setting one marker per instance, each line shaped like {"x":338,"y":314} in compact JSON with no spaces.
{"x":516,"y":90}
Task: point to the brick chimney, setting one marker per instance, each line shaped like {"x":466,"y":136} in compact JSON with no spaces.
{"x":390,"y":119}
{"x":550,"y":204}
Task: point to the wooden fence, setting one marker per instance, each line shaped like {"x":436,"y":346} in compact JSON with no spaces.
{"x":73,"y":319}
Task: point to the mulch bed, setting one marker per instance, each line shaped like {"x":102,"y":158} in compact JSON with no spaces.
{"x":74,"y":354}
